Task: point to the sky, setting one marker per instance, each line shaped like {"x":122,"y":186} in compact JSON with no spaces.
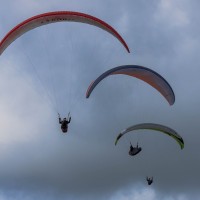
{"x":48,"y":70}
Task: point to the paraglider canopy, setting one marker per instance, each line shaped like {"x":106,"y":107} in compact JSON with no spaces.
{"x":157,"y":127}
{"x":53,"y":17}
{"x":147,"y":75}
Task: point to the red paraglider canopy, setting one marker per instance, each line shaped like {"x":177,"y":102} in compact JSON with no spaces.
{"x":53,"y":17}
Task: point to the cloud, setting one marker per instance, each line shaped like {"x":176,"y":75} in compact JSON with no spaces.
{"x":173,"y":13}
{"x":38,"y":162}
{"x":134,"y":195}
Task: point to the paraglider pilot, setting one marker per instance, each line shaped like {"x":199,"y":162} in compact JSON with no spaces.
{"x":149,"y":180}
{"x":64,"y":123}
{"x":134,"y":150}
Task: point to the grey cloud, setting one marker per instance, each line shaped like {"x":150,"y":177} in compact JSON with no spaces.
{"x":85,"y":163}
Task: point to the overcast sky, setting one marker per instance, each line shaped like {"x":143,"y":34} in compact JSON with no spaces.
{"x":48,"y":70}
